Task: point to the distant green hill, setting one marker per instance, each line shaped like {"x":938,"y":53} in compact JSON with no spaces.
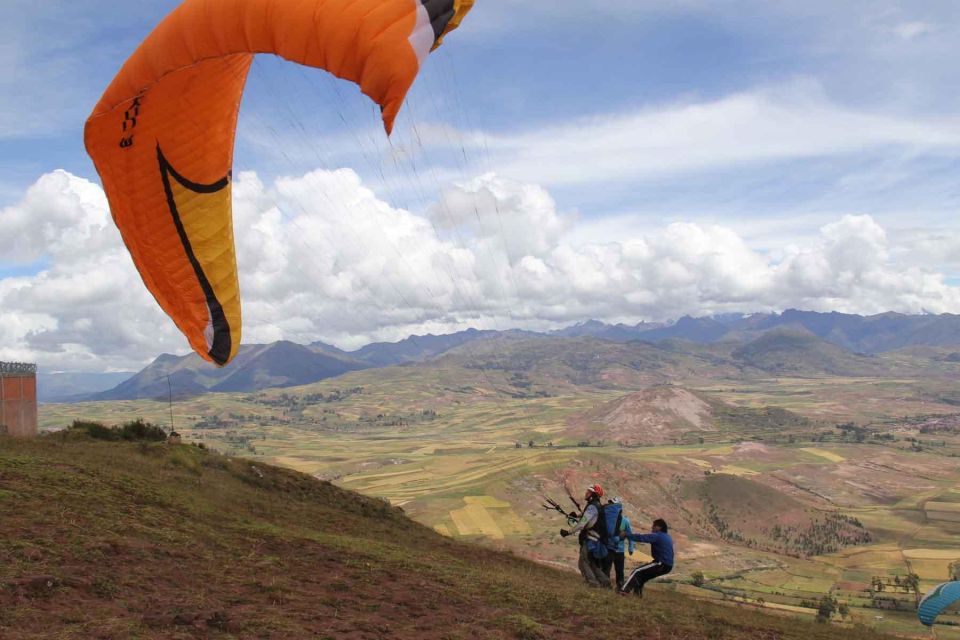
{"x":416,"y":348}
{"x":150,"y":541}
{"x":793,"y":351}
{"x":587,"y":362}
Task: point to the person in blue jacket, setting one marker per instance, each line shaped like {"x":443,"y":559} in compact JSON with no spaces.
{"x":661,"y":548}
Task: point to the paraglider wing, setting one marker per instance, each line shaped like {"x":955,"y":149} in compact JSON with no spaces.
{"x":162,"y":135}
{"x":942,"y":596}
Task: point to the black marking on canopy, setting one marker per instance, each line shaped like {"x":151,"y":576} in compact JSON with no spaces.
{"x":440,"y":12}
{"x":222,"y":341}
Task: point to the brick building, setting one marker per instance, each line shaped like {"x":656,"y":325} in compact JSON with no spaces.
{"x":18,"y":399}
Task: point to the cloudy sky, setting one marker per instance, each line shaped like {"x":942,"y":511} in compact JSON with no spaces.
{"x":556,"y":161}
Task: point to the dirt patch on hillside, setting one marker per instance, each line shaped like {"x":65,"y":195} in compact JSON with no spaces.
{"x":658,"y":415}
{"x":752,"y":448}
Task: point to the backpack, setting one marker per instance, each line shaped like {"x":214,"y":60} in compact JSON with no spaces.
{"x":612,"y":516}
{"x":609,"y":520}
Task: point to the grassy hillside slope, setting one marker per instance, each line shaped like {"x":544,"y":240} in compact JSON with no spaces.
{"x":124,"y":540}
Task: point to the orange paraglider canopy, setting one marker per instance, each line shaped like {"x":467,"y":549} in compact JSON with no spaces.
{"x":162,"y":135}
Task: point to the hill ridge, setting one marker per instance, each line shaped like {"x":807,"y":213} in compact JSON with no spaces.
{"x":118,"y":540}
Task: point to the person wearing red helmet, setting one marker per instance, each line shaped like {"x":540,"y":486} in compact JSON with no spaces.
{"x":591,"y":538}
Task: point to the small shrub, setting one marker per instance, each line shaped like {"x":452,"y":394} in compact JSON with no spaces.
{"x":138,"y":430}
{"x":133,"y":431}
{"x":95,"y":430}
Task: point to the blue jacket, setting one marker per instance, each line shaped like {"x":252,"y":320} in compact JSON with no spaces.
{"x":661,"y":545}
{"x":625,"y":527}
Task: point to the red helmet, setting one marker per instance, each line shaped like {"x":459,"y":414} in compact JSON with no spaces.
{"x":596,"y":490}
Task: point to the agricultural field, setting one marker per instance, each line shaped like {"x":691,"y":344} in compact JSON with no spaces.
{"x":780,"y":490}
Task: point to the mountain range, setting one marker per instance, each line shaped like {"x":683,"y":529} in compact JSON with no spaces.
{"x":65,"y":387}
{"x":792,"y":342}
{"x":861,"y":334}
{"x":280,"y":364}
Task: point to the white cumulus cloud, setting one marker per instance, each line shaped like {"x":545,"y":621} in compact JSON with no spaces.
{"x":321,"y":257}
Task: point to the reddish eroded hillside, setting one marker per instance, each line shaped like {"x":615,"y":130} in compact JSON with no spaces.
{"x":658,"y":415}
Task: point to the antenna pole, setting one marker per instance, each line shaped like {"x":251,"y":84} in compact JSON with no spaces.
{"x":170,"y":398}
